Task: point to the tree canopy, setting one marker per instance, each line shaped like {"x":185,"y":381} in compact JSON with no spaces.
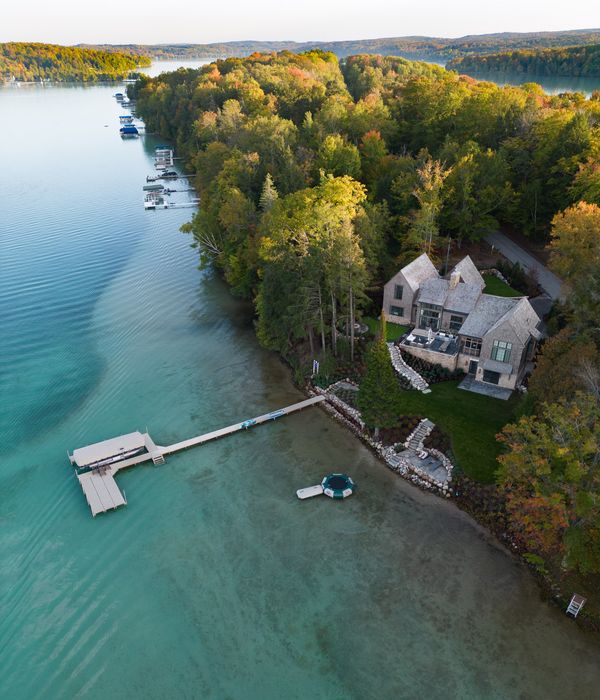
{"x":34,"y":61}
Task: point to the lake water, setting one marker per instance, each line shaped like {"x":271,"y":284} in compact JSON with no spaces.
{"x":214,"y":581}
{"x":551,"y":84}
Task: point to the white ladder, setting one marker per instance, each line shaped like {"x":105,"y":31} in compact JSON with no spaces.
{"x":158,"y":458}
{"x":577,"y":602}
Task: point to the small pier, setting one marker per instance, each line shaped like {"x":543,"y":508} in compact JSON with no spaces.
{"x":98,"y":464}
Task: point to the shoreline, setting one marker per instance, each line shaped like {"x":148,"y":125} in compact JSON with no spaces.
{"x":550,"y":589}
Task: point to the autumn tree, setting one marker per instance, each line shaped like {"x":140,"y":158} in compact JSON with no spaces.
{"x":575,"y":256}
{"x":568,"y":362}
{"x":423,"y":233}
{"x":551,"y":476}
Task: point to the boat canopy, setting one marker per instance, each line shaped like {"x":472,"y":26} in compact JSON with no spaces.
{"x":85,"y":456}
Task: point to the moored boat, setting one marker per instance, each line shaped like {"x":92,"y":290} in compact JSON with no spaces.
{"x":129,"y":130}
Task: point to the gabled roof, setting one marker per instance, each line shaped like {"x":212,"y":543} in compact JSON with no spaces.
{"x":420,"y":269}
{"x":491,"y":311}
{"x":461,"y":298}
{"x":522,"y":319}
{"x":488,"y":311}
{"x":468,"y":272}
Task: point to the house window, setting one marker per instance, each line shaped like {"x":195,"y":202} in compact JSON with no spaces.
{"x":456,"y":323}
{"x":501,"y":351}
{"x":491,"y":377}
{"x":396,"y":311}
{"x":471,"y":346}
{"x":430,"y":316}
{"x":398,"y":290}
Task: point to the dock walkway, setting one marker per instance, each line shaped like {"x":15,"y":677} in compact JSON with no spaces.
{"x":99,"y":485}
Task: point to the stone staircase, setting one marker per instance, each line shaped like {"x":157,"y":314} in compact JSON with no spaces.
{"x":418,"y":436}
{"x":398,"y":363}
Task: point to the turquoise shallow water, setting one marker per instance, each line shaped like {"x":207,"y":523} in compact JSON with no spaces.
{"x":214,"y":581}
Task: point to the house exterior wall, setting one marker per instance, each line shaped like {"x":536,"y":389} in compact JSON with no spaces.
{"x":436,"y":358}
{"x":504,"y":332}
{"x":445,"y":322}
{"x":463,"y":361}
{"x":405,"y":303}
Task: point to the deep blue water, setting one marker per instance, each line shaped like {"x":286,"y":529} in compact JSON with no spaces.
{"x":214,"y":581}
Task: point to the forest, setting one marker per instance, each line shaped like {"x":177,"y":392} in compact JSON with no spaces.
{"x":28,"y":62}
{"x":572,"y":61}
{"x":435,"y":49}
{"x":318,"y":181}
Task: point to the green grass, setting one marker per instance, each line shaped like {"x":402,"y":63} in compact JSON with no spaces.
{"x":471,"y":420}
{"x":394,"y":331}
{"x":499,"y":288}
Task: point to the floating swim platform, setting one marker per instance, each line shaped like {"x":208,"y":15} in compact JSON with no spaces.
{"x":333,"y":485}
{"x":309,"y":492}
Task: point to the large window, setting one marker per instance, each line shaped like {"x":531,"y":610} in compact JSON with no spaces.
{"x":456,"y":323}
{"x":430,"y":316}
{"x":501,"y":351}
{"x":396,"y":311}
{"x":471,"y":346}
{"x":491,"y":377}
{"x":398,"y":290}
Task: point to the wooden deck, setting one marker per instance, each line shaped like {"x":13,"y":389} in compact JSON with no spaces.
{"x":100,"y":487}
{"x":101,"y":491}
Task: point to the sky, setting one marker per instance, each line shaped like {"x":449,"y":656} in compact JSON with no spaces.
{"x":194,"y":21}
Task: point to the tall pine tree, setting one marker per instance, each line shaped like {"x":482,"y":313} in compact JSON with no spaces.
{"x":378,"y":395}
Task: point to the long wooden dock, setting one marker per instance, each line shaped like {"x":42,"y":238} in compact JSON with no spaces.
{"x":103,"y":459}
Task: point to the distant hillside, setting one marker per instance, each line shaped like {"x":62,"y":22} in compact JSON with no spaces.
{"x":33,"y":61}
{"x":575,"y":61}
{"x":414,"y":47}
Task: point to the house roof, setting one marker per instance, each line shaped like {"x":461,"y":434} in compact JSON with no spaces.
{"x":468,"y":272}
{"x":522,"y":319}
{"x":461,"y":298}
{"x":486,"y":314}
{"x":490,"y":311}
{"x":420,"y":269}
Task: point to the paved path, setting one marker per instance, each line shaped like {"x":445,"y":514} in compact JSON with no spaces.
{"x":549,"y":282}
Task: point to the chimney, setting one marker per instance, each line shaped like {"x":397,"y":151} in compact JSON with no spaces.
{"x":454,"y":279}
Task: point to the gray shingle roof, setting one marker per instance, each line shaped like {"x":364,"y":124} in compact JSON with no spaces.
{"x":523,"y":319}
{"x":487,"y":313}
{"x":468,"y":272}
{"x":461,"y":298}
{"x":419,"y":270}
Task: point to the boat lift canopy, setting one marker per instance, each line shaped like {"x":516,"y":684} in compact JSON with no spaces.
{"x":84,"y":456}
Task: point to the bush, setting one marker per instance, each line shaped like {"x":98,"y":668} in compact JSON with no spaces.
{"x":518,"y":278}
{"x":433,"y":374}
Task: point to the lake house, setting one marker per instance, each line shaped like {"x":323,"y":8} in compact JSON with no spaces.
{"x":455,"y":324}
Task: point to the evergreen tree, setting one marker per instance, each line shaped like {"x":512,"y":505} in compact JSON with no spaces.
{"x":269,"y":194}
{"x":378,"y":395}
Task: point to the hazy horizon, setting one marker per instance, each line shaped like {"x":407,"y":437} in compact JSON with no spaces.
{"x":267,"y":20}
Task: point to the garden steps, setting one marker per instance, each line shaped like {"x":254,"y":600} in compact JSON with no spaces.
{"x":401,"y":368}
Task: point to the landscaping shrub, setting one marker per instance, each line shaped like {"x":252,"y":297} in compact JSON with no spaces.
{"x":517,"y":278}
{"x":432,"y":374}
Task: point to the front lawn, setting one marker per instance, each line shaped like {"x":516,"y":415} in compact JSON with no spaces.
{"x":394,"y":331}
{"x":471,"y":420}
{"x":495,"y":286}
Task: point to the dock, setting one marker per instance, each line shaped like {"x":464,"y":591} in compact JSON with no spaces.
{"x":98,"y":464}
